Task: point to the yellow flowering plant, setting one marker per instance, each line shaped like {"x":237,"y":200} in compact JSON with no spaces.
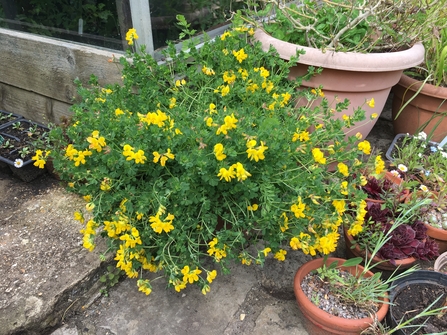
{"x":206,"y":157}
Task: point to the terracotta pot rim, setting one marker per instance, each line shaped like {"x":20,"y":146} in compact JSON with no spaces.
{"x":402,"y":262}
{"x":431,"y":90}
{"x":348,"y":61}
{"x":327,"y":320}
{"x":437,"y":231}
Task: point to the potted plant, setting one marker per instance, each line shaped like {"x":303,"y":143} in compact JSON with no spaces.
{"x":419,"y":101}
{"x":341,"y":296}
{"x":424,"y":164}
{"x":391,"y":208}
{"x":417,"y":304}
{"x":205,"y":159}
{"x":362,"y":46}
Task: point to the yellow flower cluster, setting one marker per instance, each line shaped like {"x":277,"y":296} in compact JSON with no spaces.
{"x":96,"y":142}
{"x":218,"y":253}
{"x":77,"y":156}
{"x":240,"y":55}
{"x":132,"y":239}
{"x":235,"y":171}
{"x":218,"y":152}
{"x":364,"y":146}
{"x":117,"y":227}
{"x":159,"y":226}
{"x":256,"y":153}
{"x":229,"y":123}
{"x":318,"y":156}
{"x":158,"y":118}
{"x":163,"y":157}
{"x":131,"y":35}
{"x":130,"y":154}
{"x":89,"y":233}
{"x":40,"y":158}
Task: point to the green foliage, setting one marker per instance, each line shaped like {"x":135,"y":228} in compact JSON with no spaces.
{"x":110,"y":278}
{"x":348,"y":25}
{"x":207,"y":158}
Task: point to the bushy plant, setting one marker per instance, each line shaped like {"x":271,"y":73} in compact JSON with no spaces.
{"x":206,"y":157}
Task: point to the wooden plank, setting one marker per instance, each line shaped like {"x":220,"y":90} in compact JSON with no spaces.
{"x":32,"y":106}
{"x":49,"y":66}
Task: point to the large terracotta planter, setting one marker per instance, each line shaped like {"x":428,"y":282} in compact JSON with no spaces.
{"x":331,"y":324}
{"x":355,"y":76}
{"x":429,"y":108}
{"x":353,"y":250}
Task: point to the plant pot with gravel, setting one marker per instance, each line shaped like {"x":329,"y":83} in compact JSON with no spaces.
{"x":320,"y":301}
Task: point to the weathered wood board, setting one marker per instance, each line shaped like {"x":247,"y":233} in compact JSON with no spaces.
{"x":37,"y":73}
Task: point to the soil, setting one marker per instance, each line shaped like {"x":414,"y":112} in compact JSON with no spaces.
{"x":413,"y":299}
{"x":6,"y":117}
{"x":20,"y":135}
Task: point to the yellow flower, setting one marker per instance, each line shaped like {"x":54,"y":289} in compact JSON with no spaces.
{"x":90,"y":206}
{"x":211,"y":275}
{"x":298,"y":209}
{"x":266,"y":251}
{"x":118,"y":112}
{"x":208,"y":71}
{"x":240,"y":55}
{"x":144,"y":286}
{"x":218,"y":152}
{"x":225,"y":90}
{"x":190,"y":275}
{"x":365,"y":146}
{"x":343,"y":169}
{"x":379,"y":165}
{"x":340,"y":206}
{"x":281,"y":255}
{"x":227,"y":174}
{"x":370,"y":103}
{"x":131,"y":35}
{"x":295,"y":243}
{"x":253,"y":207}
{"x":225,"y":35}
{"x":318,"y":156}
{"x":241,"y":173}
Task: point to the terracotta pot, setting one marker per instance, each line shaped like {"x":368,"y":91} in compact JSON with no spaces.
{"x":439,"y":235}
{"x":428,"y":107}
{"x":405,"y":194}
{"x":332,"y":324}
{"x":355,"y":76}
{"x":352,"y":252}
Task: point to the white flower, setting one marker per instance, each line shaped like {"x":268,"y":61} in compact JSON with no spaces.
{"x":421,"y":136}
{"x":423,"y":145}
{"x":402,"y":168}
{"x":439,"y":148}
{"x":420,"y":155}
{"x":444,"y":154}
{"x":424,"y":188}
{"x":18,"y":163}
{"x":395,"y":173}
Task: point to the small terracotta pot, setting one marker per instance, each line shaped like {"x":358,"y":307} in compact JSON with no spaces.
{"x":386,"y":266}
{"x":332,"y":324}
